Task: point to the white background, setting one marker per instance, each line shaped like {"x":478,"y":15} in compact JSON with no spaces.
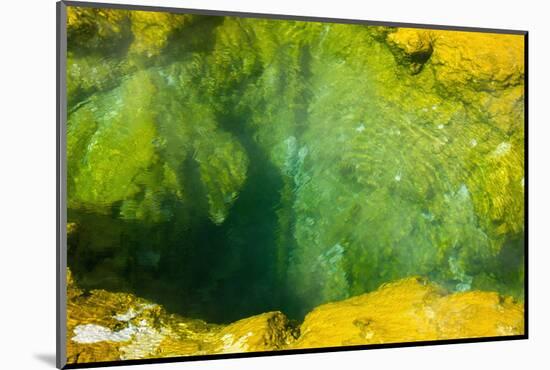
{"x":27,"y":181}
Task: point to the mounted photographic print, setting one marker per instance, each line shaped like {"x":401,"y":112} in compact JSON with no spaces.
{"x":234,"y":184}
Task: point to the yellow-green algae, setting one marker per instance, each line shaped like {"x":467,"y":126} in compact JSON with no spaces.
{"x":104,"y":326}
{"x":224,"y":167}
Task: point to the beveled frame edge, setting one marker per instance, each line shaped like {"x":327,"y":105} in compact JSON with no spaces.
{"x":526,"y":183}
{"x":61,"y":191}
{"x":61,"y":186}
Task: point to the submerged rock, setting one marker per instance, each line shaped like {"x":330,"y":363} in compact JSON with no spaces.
{"x":265,"y":332}
{"x":97,"y":29}
{"x":411,"y":47}
{"x":203,"y":150}
{"x":105,"y":326}
{"x":410,"y":310}
{"x":152,"y":29}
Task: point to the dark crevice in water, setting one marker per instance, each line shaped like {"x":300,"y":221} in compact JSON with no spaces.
{"x":199,"y":37}
{"x":232,"y":263}
{"x":191,"y":266}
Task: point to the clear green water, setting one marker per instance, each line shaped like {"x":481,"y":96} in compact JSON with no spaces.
{"x":249,"y":165}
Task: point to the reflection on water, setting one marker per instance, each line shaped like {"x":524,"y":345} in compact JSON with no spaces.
{"x":226,"y":167}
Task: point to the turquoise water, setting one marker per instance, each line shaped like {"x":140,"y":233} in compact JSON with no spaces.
{"x":224,"y":167}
